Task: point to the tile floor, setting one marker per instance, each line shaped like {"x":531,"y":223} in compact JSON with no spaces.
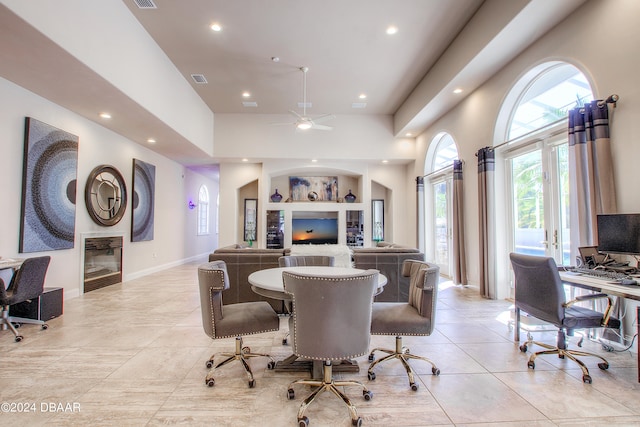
{"x":134,"y":354}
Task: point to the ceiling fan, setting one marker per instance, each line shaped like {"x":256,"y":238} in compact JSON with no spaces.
{"x":304,"y":122}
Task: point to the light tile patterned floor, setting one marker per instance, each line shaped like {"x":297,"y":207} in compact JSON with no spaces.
{"x":134,"y":354}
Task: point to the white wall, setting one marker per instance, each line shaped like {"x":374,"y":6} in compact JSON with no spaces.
{"x":175,"y":237}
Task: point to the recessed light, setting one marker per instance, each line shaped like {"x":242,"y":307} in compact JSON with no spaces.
{"x":408,"y":134}
{"x":105,"y":115}
{"x":457,"y":90}
{"x":245,"y":160}
{"x":392,"y":30}
{"x":246,"y":94}
{"x":362,"y":96}
{"x":314,"y":160}
{"x":151,"y":141}
{"x":216,"y":27}
{"x":385,"y":161}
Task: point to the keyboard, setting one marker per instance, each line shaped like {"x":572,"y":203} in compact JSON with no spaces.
{"x":614,"y":276}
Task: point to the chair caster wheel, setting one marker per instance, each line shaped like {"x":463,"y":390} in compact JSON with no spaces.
{"x":210,"y":382}
{"x":405,"y":350}
{"x":209,"y":364}
{"x":586,"y":379}
{"x":271,"y":365}
{"x":414,"y":386}
{"x":371,"y":376}
{"x":303,"y":422}
{"x":371,"y":357}
{"x":561,"y":356}
{"x":523,"y":348}
{"x":368,"y":395}
{"x":45,"y":326}
{"x":435,"y":371}
{"x":252,"y":383}
{"x":19,"y":338}
{"x":531,"y":365}
{"x":357,"y":422}
{"x":603,"y":366}
{"x":246,"y":350}
{"x":291,"y":394}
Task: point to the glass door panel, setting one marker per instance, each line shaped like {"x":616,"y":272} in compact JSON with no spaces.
{"x":441,"y":223}
{"x":529,"y":235}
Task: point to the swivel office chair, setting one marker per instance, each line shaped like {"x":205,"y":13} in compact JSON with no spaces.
{"x":235,"y":320}
{"x":331,"y":321}
{"x":302,"y":260}
{"x":25,"y":285}
{"x":416,"y":317}
{"x":540,"y":293}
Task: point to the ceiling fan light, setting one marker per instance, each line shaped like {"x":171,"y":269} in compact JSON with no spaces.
{"x":303,"y":125}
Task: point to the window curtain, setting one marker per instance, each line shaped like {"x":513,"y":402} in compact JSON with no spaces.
{"x":592,"y":188}
{"x":459,"y":254}
{"x":486,"y":216}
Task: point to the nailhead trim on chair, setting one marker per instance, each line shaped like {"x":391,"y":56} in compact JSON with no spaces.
{"x":328,"y":279}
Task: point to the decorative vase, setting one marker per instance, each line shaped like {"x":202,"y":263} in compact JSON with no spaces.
{"x":276,"y":197}
{"x":350,"y":198}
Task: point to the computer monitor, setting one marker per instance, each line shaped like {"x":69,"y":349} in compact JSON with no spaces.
{"x":619,"y":234}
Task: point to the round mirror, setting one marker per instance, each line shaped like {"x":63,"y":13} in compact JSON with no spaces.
{"x":105,"y":195}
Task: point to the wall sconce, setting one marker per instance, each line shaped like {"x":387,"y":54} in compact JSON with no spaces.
{"x":191,"y":204}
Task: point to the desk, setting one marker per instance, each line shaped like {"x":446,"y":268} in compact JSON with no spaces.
{"x":599,"y":285}
{"x":8,"y":267}
{"x":269,"y":283}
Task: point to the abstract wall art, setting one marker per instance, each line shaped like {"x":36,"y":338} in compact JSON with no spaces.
{"x":144,"y":183}
{"x":313,"y":188}
{"x":48,"y":211}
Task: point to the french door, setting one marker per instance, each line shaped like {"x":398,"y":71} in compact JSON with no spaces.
{"x":442,"y":215}
{"x":538,"y":184}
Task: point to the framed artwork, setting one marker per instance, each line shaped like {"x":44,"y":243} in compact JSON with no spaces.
{"x":313,"y":188}
{"x":143,"y":198}
{"x":49,"y":177}
{"x":250,"y":219}
{"x":377,"y":220}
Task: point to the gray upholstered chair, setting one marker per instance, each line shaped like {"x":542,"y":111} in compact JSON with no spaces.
{"x":540,"y":293}
{"x":234,"y":320}
{"x":26,"y":284}
{"x":304,"y":260}
{"x":415,"y":317}
{"x":331,"y":322}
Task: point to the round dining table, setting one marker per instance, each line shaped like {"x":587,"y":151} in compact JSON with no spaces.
{"x":269,"y":283}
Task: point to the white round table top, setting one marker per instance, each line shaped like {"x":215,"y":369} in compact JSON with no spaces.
{"x":270,"y":279}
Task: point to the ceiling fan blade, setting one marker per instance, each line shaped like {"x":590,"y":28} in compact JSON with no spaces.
{"x":298,"y":116}
{"x":323,"y":118}
{"x":320,"y":127}
{"x":283,"y":124}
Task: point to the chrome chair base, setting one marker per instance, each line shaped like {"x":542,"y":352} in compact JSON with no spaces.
{"x":328,"y":384}
{"x":241,"y":354}
{"x":563,"y":352}
{"x":402,"y":353}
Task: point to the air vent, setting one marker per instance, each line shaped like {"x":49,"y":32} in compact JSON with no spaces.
{"x":249,"y":104}
{"x":145,"y":4}
{"x":304,"y":105}
{"x":199,"y":79}
{"x":359,"y":105}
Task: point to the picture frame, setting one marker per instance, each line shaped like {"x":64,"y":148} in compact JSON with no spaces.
{"x":143,"y":201}
{"x":49,"y":185}
{"x":250,"y":219}
{"x":313,"y":188}
{"x":377,"y":220}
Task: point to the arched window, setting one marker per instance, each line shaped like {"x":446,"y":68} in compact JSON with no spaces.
{"x":534,"y":205}
{"x":439,"y":200}
{"x":203,"y":211}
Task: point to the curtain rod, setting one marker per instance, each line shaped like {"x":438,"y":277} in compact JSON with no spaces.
{"x":440,"y":170}
{"x":612,"y":99}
